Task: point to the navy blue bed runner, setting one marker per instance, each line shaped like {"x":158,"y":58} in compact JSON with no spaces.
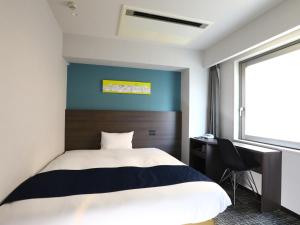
{"x":59,"y":183}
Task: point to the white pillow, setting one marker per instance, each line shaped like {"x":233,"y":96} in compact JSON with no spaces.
{"x":116,"y":140}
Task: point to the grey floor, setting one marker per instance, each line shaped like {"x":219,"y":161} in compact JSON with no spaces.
{"x":246,"y":212}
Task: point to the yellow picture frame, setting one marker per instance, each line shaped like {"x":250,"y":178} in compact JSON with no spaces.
{"x":126,"y":87}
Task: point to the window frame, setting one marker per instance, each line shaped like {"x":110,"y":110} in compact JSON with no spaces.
{"x":242,"y":65}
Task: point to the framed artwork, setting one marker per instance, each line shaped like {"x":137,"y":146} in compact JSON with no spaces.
{"x":126,"y":87}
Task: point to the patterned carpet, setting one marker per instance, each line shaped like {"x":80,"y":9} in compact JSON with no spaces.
{"x":246,"y":212}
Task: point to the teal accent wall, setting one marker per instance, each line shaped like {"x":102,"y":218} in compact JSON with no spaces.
{"x":84,"y":88}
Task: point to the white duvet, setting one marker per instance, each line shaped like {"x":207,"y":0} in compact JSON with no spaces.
{"x":177,"y":204}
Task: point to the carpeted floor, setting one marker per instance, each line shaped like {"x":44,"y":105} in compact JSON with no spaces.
{"x":246,"y":212}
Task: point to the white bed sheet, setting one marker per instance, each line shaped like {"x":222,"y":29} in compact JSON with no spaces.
{"x":190,"y":202}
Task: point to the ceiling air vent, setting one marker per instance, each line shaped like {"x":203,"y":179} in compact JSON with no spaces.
{"x":150,"y":16}
{"x":157,"y":26}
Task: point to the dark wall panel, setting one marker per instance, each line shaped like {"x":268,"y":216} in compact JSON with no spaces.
{"x":151,"y":129}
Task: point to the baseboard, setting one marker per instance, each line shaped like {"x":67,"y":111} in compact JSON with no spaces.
{"x":290,"y":212}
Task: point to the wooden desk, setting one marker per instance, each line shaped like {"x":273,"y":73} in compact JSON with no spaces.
{"x":205,"y":157}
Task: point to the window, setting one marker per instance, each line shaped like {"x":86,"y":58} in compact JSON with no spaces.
{"x":270,"y":97}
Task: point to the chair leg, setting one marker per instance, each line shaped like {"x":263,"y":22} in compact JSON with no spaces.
{"x":250,"y":181}
{"x":224,"y":176}
{"x":234,"y":176}
{"x":256,"y":190}
{"x":234,"y":185}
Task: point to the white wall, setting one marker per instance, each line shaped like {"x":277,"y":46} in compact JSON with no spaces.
{"x":83,"y":49}
{"x":267,"y":27}
{"x":32,"y":90}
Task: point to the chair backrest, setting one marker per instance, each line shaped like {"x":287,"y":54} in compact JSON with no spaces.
{"x":230,"y":155}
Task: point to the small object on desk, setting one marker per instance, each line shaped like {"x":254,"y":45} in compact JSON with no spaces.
{"x":206,"y":136}
{"x":206,"y":140}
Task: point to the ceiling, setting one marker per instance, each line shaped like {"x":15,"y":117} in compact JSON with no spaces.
{"x":100,"y":18}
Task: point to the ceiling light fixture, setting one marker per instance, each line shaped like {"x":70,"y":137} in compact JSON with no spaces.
{"x":73,"y":7}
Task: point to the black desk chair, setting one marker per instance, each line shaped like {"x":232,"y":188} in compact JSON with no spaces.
{"x":235,"y":165}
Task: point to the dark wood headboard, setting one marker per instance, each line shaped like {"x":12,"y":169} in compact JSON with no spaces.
{"x":151,"y":129}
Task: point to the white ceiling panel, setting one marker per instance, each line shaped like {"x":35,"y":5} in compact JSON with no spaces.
{"x":100,"y":18}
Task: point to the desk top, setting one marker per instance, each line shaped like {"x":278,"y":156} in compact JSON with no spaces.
{"x":236,"y":144}
{"x":254,"y":147}
{"x":206,"y":140}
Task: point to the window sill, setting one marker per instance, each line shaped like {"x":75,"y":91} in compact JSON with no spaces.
{"x":280,"y":148}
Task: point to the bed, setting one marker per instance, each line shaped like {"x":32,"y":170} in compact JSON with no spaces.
{"x":144,"y":185}
{"x":178,"y":203}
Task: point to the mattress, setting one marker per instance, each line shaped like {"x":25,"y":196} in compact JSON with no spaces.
{"x":173,"y":204}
